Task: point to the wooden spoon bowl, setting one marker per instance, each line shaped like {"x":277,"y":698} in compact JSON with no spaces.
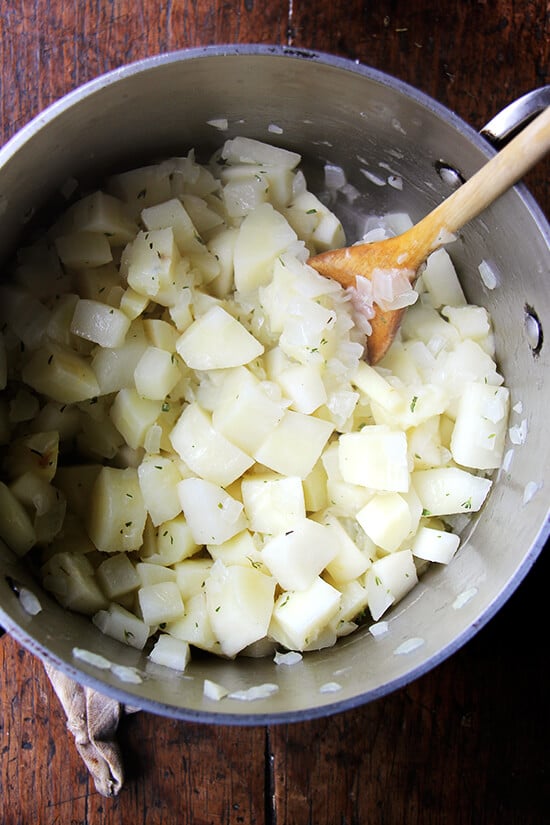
{"x":407,"y":252}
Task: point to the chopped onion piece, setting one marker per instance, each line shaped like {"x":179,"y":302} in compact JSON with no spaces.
{"x":91,"y":658}
{"x":518,"y":432}
{"x":255,"y":692}
{"x":330,"y":687}
{"x":126,"y":674}
{"x":379,"y":628}
{"x":212,"y":690}
{"x":290,"y":658}
{"x":335,"y":177}
{"x":464,"y":597}
{"x":530,"y":490}
{"x":409,"y":645}
{"x":488,"y":275}
{"x":29,"y":602}
{"x":219,"y":123}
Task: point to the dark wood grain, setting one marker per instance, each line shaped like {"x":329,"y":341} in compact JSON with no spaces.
{"x":466,"y":743}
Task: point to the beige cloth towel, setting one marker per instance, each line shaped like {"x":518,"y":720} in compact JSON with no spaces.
{"x":93,"y":720}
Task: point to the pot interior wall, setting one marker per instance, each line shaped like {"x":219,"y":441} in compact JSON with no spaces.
{"x":336,"y":112}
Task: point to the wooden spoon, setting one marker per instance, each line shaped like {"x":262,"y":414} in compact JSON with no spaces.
{"x":408,"y":251}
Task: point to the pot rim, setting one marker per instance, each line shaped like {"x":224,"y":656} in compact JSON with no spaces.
{"x":91,"y":87}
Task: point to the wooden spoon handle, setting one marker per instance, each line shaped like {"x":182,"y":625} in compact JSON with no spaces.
{"x":491,"y":181}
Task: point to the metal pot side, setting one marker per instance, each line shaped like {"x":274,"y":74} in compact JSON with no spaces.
{"x":335,"y":111}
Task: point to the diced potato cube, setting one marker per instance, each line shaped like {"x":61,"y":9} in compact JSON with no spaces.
{"x":349,"y":562}
{"x":240,"y":549}
{"x":222,"y":246}
{"x":244,"y":413}
{"x":240,"y":603}
{"x":213,"y":515}
{"x":120,"y":624}
{"x":173,"y":214}
{"x":441,"y":280}
{"x":36,"y":453}
{"x":194,"y":626}
{"x":152,"y":261}
{"x":117,"y":576}
{"x":435,"y":545}
{"x":272,"y":503}
{"x":170,"y":652}
{"x":161,"y":334}
{"x":315,"y":489}
{"x":100,"y":323}
{"x":114,"y":368}
{"x":160,"y":603}
{"x":191,"y":575}
{"x":248,"y":150}
{"x":149,"y":573}
{"x":447,"y":490}
{"x":132,"y":415}
{"x":24,"y":315}
{"x":60,"y":374}
{"x":174,"y":542}
{"x":470,"y":321}
{"x":156,"y":373}
{"x":375,"y":457}
{"x":76,"y":483}
{"x":103,"y":213}
{"x":295,"y":445}
{"x":158,"y":477}
{"x":388,"y":580}
{"x":207,"y":452}
{"x":303,"y":385}
{"x":386,"y":519}
{"x":133,"y":304}
{"x":480,"y":427}
{"x":263,"y":235}
{"x":70,"y":576}
{"x":117,"y":514}
{"x":216,"y":340}
{"x":16,"y":527}
{"x":83,"y":249}
{"x":300,"y":616}
{"x":297,"y":556}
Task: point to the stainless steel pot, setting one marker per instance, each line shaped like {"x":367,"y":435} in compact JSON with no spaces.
{"x":329,"y":110}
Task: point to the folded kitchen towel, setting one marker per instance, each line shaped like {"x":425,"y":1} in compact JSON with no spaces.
{"x":93,"y":720}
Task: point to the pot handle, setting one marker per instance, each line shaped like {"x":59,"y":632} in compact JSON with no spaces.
{"x":515,"y":116}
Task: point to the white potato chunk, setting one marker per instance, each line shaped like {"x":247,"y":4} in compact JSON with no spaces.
{"x":350,"y":562}
{"x":388,"y":580}
{"x":240,"y":604}
{"x":435,"y":545}
{"x":70,"y":577}
{"x":240,"y":549}
{"x":248,"y":150}
{"x":207,"y":452}
{"x":156,"y":373}
{"x":117,"y":576}
{"x":375,"y":457}
{"x":441,"y":281}
{"x":61,"y":374}
{"x":194,"y":626}
{"x":244,"y":413}
{"x":158,"y":478}
{"x":100,"y":323}
{"x":170,"y":652}
{"x":263,"y":235}
{"x":480,"y":426}
{"x":447,"y":490}
{"x":386,"y":519}
{"x":160,"y":603}
{"x":303,"y":385}
{"x":173,"y":214}
{"x":272,"y":502}
{"x":300,"y":616}
{"x":297,"y":556}
{"x":83,"y":249}
{"x":152,"y":260}
{"x":16,"y":527}
{"x":213,"y":515}
{"x":120,"y":624}
{"x":132,"y":415}
{"x":294,"y":446}
{"x":117,"y":514}
{"x":216,"y":340}
{"x":103,"y":213}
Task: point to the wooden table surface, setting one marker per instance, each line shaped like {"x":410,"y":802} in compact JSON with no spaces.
{"x":467,"y":743}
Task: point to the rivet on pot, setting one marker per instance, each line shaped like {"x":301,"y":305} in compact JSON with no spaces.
{"x":533,"y":330}
{"x":448,"y":174}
